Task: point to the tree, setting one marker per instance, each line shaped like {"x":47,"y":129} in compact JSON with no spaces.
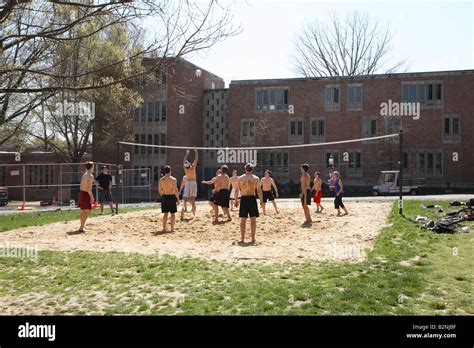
{"x":30,"y":33}
{"x":353,"y":46}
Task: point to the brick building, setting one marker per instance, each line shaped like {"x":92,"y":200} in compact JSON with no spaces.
{"x":312,"y":110}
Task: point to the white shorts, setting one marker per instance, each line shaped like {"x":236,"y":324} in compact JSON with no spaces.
{"x":232,"y":194}
{"x":190,"y":189}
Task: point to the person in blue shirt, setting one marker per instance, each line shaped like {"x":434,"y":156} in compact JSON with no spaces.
{"x":336,"y":182}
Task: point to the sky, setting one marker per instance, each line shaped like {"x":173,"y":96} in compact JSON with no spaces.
{"x":430,"y":35}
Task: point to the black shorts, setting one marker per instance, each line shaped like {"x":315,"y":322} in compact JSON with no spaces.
{"x":268,"y":196}
{"x":248,"y":207}
{"x":222,"y":198}
{"x":105,"y":196}
{"x":168,"y":204}
{"x":213,"y":197}
{"x":338,"y":202}
{"x":308,"y":197}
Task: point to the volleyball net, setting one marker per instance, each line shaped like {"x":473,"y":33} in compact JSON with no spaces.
{"x":360,"y":161}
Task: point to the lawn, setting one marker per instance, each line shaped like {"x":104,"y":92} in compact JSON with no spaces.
{"x":14,"y":221}
{"x":409,"y":271}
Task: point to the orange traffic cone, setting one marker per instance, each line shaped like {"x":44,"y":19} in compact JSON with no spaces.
{"x":22,"y":206}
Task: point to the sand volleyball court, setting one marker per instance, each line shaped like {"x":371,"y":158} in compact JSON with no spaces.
{"x":279,"y":237}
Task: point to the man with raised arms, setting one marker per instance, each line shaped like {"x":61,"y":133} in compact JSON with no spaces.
{"x":86,"y":198}
{"x":305,"y":192}
{"x":268,"y":184}
{"x":222,"y":194}
{"x":168,"y":189}
{"x":248,"y":186}
{"x":190,"y":188}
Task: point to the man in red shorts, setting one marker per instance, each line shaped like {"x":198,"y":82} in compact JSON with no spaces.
{"x":86,"y":198}
{"x":318,"y":192}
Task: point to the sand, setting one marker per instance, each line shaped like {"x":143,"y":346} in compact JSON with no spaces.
{"x":280,"y":237}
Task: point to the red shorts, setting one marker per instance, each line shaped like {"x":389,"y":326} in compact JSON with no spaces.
{"x":84,"y":200}
{"x":317,"y":196}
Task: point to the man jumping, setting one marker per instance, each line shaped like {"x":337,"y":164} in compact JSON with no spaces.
{"x":190,"y":188}
{"x":268,"y":184}
{"x":305,"y":192}
{"x":86,"y":198}
{"x":248,"y":184}
{"x":168,"y":190}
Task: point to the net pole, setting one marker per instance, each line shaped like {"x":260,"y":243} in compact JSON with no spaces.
{"x":400,"y":169}
{"x":117,"y":178}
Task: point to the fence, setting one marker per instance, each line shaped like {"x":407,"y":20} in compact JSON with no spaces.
{"x":59,"y":183}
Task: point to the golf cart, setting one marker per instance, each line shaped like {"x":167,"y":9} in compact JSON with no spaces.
{"x":3,"y":196}
{"x":389,"y":184}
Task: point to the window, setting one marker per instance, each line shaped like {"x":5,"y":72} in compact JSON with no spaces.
{"x":163,"y":110}
{"x":136,"y":115}
{"x":143,"y":113}
{"x":451,"y":129}
{"x":247,"y":132}
{"x":271,"y":99}
{"x":157,"y":142}
{"x":157,"y":111}
{"x":354,"y":166}
{"x":151,"y":111}
{"x":406,"y":160}
{"x":137,"y":141}
{"x":426,"y":93}
{"x":430,"y":163}
{"x":143,"y":141}
{"x":392,"y":124}
{"x":369,"y":127}
{"x":317,"y":130}
{"x":163,"y":142}
{"x":150,"y":142}
{"x":295,"y":134}
{"x":331,"y":98}
{"x":354,"y":97}
{"x":276,"y":159}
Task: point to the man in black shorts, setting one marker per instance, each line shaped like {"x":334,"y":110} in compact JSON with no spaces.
{"x":104,"y":180}
{"x":248,"y":185}
{"x":222,"y":194}
{"x":168,"y":190}
{"x":268,"y":184}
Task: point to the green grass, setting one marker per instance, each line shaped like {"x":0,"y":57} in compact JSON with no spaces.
{"x":409,"y":272}
{"x":14,"y":221}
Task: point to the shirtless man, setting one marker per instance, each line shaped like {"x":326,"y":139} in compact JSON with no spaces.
{"x":234,"y":179}
{"x":318,"y":192}
{"x":86,"y":198}
{"x":190,"y":188}
{"x":248,"y":184}
{"x":168,"y":190}
{"x":267,"y":185}
{"x":305,"y":194}
{"x":212,"y":182}
{"x":222,"y":194}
